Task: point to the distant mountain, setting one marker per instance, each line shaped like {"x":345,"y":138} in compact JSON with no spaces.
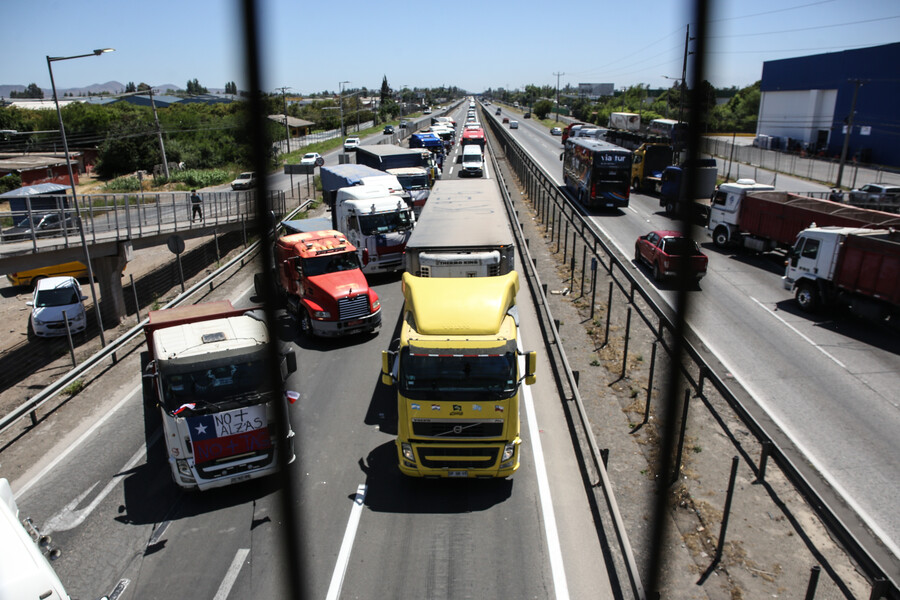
{"x":112,"y":87}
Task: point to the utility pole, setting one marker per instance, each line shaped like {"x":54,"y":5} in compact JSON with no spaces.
{"x":557,"y":95}
{"x":846,"y":146}
{"x":341,"y":84}
{"x":287,"y":129}
{"x":162,"y":148}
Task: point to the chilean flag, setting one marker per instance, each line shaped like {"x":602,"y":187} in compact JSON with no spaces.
{"x":228,"y":433}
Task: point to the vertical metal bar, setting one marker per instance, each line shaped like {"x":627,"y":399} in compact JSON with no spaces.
{"x":69,"y":336}
{"x":676,"y":471}
{"x":650,"y":382}
{"x":813,"y":582}
{"x":724,"y":528}
{"x":627,"y":336}
{"x":608,"y":312}
{"x":566,"y":243}
{"x":764,"y":454}
{"x":583,"y":268}
{"x":137,"y":306}
{"x":593,"y":292}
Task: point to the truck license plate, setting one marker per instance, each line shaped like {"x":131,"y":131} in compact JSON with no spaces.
{"x":458,"y":474}
{"x":240,"y":478}
{"x":354,"y":323}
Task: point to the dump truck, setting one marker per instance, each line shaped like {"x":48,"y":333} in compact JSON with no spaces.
{"x":846,"y":266}
{"x":753,"y":216}
{"x":647,"y":166}
{"x":463,"y":231}
{"x":209,"y":376}
{"x":458,"y":371}
{"x":317,"y":273}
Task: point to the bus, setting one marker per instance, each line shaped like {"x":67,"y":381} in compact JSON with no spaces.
{"x":597,"y":173}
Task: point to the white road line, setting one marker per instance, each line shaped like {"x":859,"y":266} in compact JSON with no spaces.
{"x":231,"y":575}
{"x":72,"y":447}
{"x":792,"y":328}
{"x":560,"y":585}
{"x":343,"y":559}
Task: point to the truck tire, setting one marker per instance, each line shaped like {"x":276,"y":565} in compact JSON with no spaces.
{"x":720,"y":237}
{"x":637,"y":255}
{"x":636,"y":185}
{"x":807,"y":297}
{"x":305,"y":322}
{"x":670,"y":208}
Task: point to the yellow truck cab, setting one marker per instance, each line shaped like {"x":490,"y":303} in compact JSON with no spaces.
{"x":458,"y":372}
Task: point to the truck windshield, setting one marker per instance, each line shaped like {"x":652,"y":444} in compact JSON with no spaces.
{"x":384,"y":222}
{"x":330,"y":263}
{"x":473,"y":377}
{"x":217,"y":386}
{"x":413,"y":182}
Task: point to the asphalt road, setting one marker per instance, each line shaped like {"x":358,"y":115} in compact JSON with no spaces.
{"x":103,"y":491}
{"x":829,"y":380}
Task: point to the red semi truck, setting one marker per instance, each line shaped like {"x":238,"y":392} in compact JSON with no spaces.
{"x":319,"y":275}
{"x":846,"y":266}
{"x":756,"y":217}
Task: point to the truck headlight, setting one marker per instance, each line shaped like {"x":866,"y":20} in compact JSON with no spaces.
{"x":376,"y":305}
{"x":183,"y":468}
{"x":321,"y":314}
{"x":508,"y":452}
{"x":407,"y":451}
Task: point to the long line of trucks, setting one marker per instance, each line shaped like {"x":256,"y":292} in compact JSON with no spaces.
{"x":459,"y":367}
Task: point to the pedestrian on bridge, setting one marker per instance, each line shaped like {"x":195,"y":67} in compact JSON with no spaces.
{"x":196,"y":206}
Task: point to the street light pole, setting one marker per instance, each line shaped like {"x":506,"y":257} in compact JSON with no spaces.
{"x":62,"y":131}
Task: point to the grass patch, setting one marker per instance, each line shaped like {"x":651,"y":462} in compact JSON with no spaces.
{"x":74,"y":387}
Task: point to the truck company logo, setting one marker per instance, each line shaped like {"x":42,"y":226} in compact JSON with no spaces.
{"x":435,"y":407}
{"x":229,"y":433}
{"x":476,"y":407}
{"x":498,"y":408}
{"x":457,"y":410}
{"x":415,"y":406}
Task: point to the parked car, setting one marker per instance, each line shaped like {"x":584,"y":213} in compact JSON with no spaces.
{"x":556,"y":131}
{"x":351,"y":143}
{"x":513,"y":124}
{"x":874,"y":193}
{"x":388,"y":130}
{"x":52,"y":297}
{"x":312,"y":158}
{"x":505,"y":120}
{"x":662,"y":251}
{"x":43,"y":225}
{"x":244,"y":181}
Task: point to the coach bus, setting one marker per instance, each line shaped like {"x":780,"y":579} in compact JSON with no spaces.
{"x":597,"y":173}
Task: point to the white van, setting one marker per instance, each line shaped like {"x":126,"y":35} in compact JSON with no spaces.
{"x":24,"y":570}
{"x":472,"y":160}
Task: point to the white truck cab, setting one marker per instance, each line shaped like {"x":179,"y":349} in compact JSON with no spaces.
{"x":25,"y":572}
{"x":377,"y":222}
{"x":472,"y":160}
{"x":724,"y":212}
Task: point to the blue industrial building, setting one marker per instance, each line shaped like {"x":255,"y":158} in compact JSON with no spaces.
{"x":806,"y":102}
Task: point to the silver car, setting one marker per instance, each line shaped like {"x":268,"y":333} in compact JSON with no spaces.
{"x":876,"y":193}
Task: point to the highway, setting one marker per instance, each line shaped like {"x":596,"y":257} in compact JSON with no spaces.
{"x":830,"y":381}
{"x":102,"y":489}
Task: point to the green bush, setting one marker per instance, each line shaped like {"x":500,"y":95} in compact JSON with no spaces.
{"x":10,"y":182}
{"x":128,"y":183}
{"x":195,"y":178}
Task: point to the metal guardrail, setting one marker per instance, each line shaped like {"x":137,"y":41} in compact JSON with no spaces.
{"x":38,"y":400}
{"x":880,"y":566}
{"x":542,"y":303}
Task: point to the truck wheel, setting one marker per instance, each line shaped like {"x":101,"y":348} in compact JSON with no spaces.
{"x":636,"y":184}
{"x":720,"y":237}
{"x":305,"y":322}
{"x":657,"y":274}
{"x":670,"y":209}
{"x":807,"y":297}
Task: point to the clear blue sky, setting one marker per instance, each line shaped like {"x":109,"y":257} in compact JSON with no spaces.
{"x":310,"y":46}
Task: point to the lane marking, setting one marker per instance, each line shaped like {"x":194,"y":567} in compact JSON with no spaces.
{"x":231,"y":574}
{"x":795,"y":330}
{"x":72,"y":447}
{"x":343,"y":559}
{"x":560,"y":585}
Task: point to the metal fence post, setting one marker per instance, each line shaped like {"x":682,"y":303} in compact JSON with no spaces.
{"x":725,"y":513}
{"x":678,"y":454}
{"x":627,"y":336}
{"x":813,"y":582}
{"x":608,"y":312}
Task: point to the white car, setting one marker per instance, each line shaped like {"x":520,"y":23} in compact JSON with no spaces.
{"x":351,"y":143}
{"x":244,"y":181}
{"x":312,"y":158}
{"x":513,"y":124}
{"x":52,"y":297}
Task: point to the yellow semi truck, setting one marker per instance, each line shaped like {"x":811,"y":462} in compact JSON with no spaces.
{"x":459,"y":370}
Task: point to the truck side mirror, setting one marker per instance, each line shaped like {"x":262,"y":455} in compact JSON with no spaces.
{"x":290,"y":361}
{"x":531,"y":368}
{"x":365,"y":256}
{"x":386,"y":377}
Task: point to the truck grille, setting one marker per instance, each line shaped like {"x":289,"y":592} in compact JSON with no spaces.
{"x":457,"y":429}
{"x":432,"y":457}
{"x":353,"y":308}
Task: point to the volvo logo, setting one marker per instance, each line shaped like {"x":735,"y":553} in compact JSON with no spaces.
{"x":457,"y":429}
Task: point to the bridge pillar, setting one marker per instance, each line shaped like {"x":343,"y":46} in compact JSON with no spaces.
{"x":108,"y":271}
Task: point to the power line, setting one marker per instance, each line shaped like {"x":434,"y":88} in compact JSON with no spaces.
{"x":769,"y":12}
{"x":735,"y":35}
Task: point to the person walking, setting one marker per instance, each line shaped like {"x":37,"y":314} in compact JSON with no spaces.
{"x":196,"y":206}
